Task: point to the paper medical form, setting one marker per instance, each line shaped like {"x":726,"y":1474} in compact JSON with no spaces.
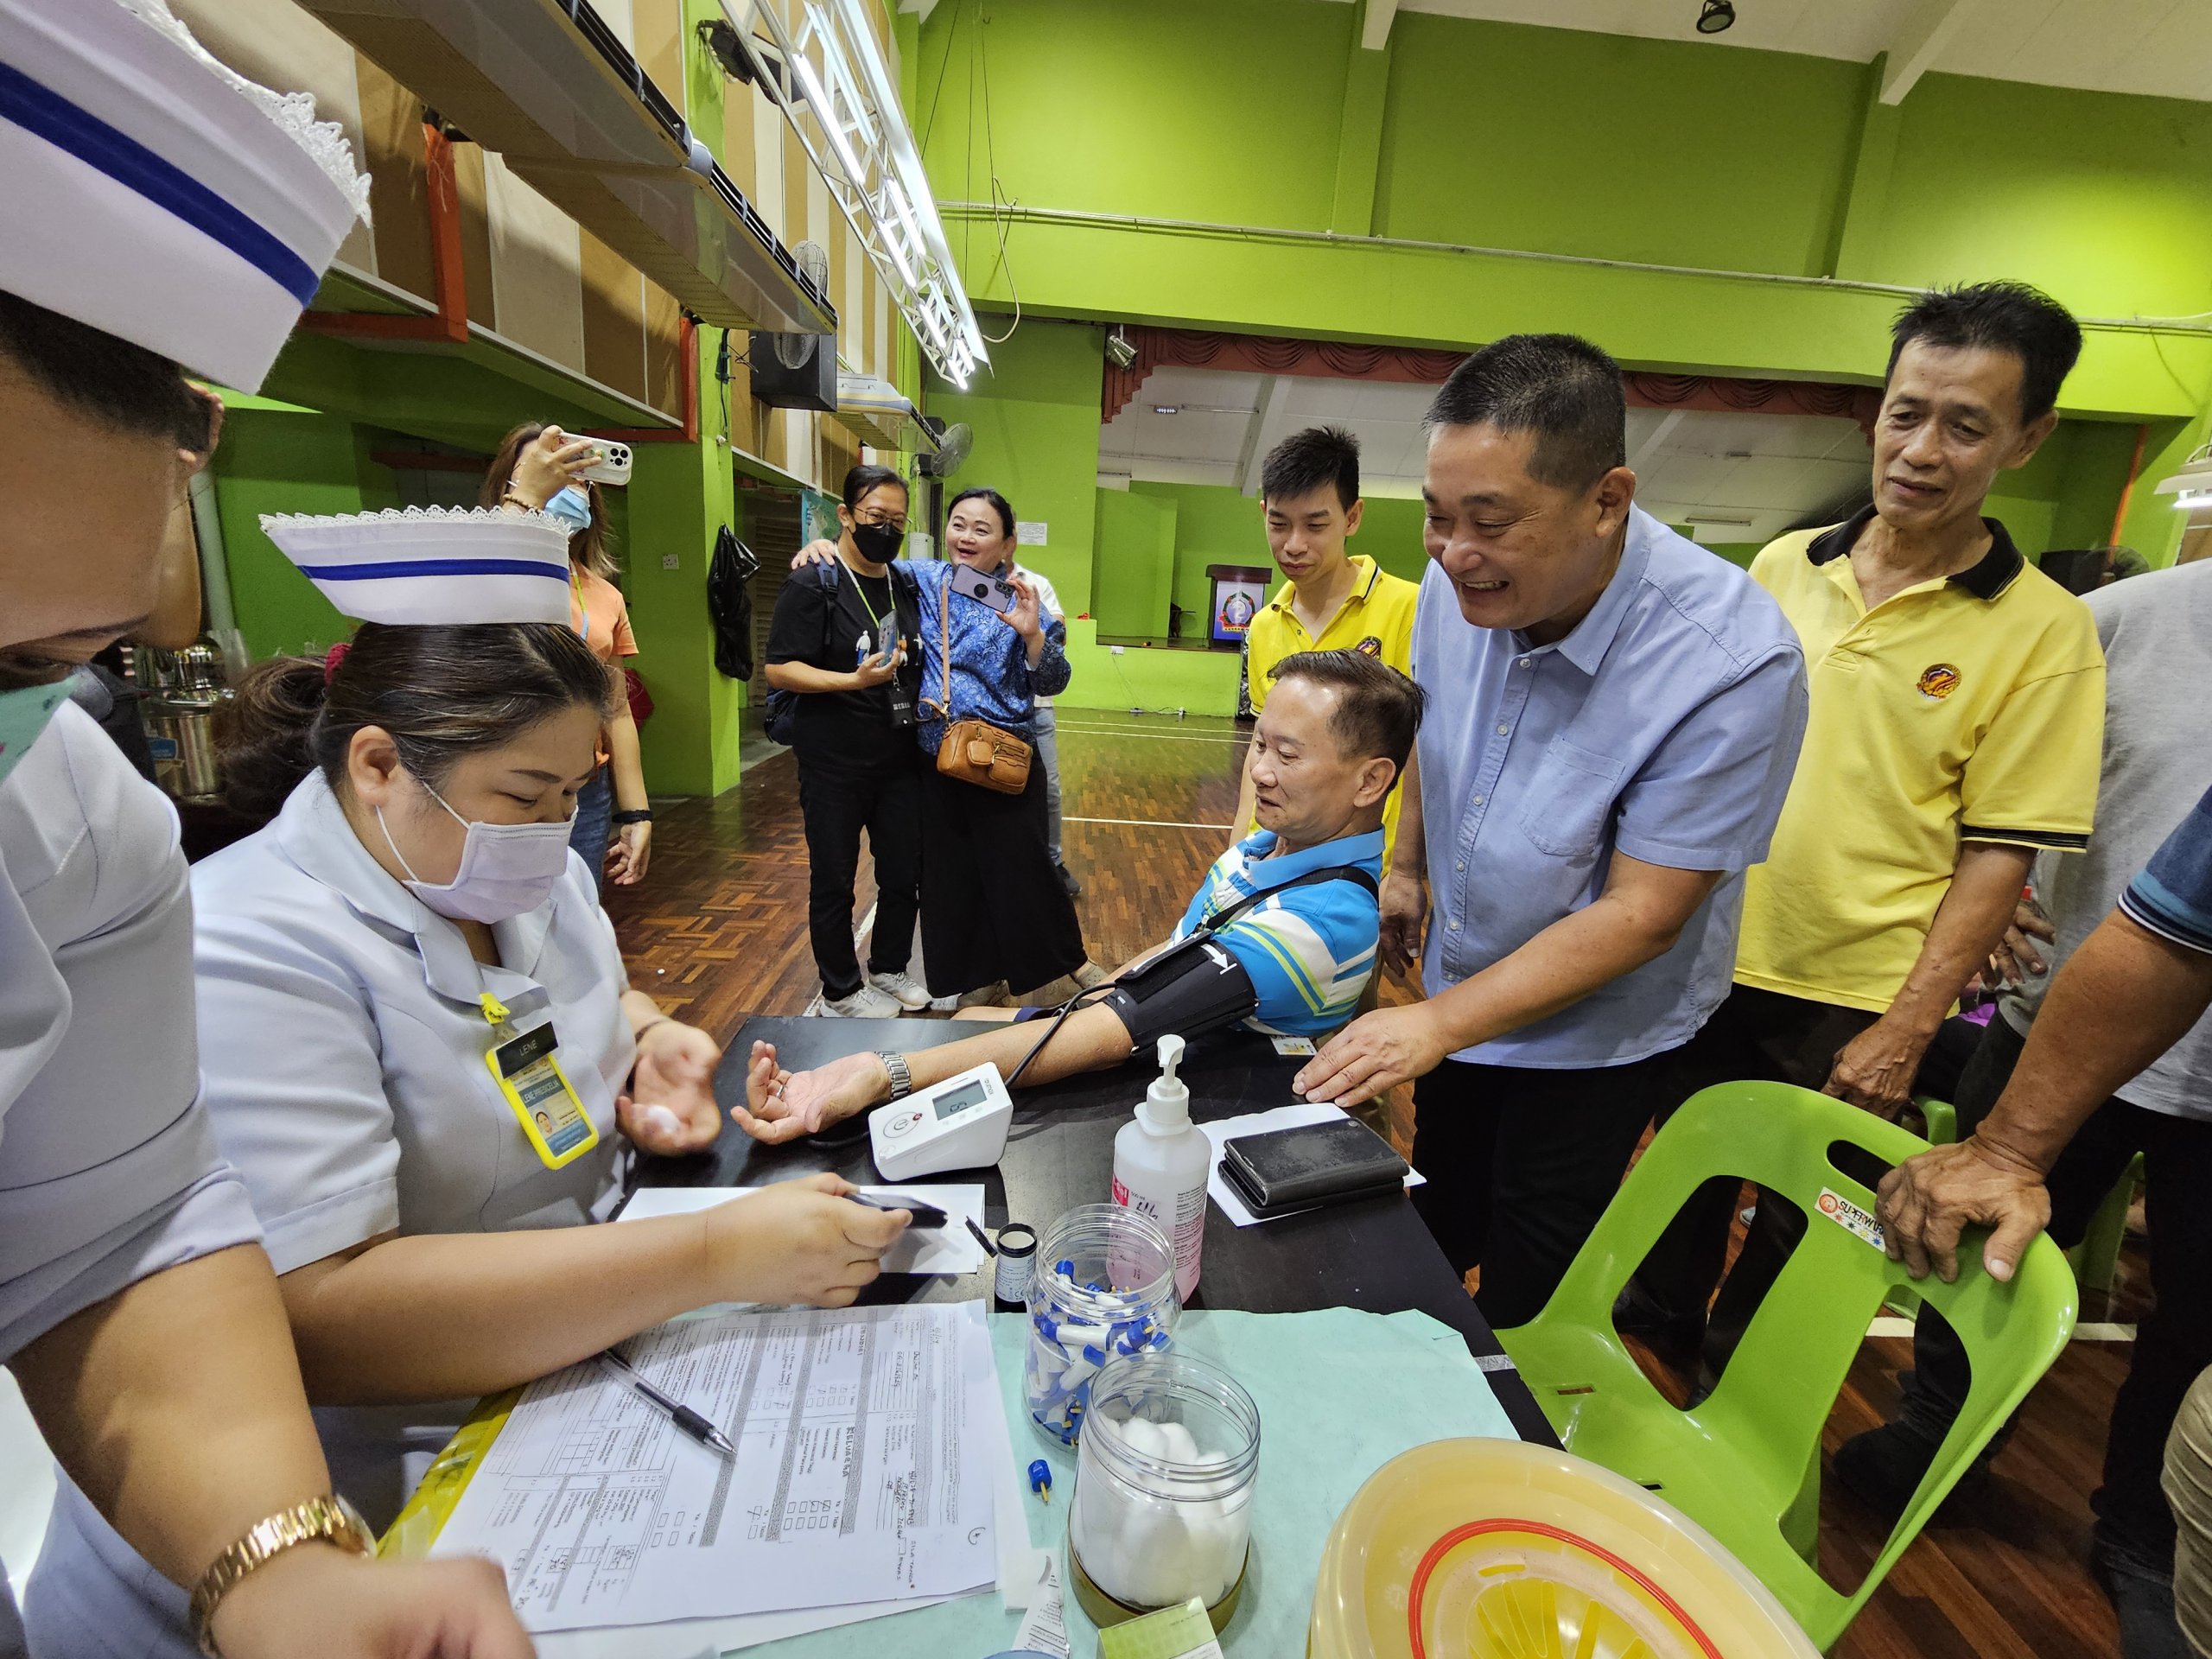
{"x":863,"y":1472}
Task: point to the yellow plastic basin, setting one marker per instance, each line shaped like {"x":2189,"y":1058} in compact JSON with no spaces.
{"x":1495,"y":1549}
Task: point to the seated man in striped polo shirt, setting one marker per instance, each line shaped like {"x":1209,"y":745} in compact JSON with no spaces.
{"x":1281,"y":935}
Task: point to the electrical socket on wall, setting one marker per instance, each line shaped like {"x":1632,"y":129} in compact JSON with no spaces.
{"x":672,"y":561}
{"x":1116,"y":650}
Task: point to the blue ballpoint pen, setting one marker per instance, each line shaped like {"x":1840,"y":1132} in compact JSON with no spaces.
{"x":686,"y":1420}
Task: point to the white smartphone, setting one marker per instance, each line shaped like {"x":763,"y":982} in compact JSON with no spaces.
{"x":612,"y":465}
{"x":980,"y":585}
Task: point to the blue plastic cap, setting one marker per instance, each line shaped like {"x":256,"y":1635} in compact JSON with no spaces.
{"x":1040,"y":1476}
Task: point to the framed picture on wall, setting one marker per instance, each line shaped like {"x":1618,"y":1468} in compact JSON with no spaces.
{"x":1236,"y":592}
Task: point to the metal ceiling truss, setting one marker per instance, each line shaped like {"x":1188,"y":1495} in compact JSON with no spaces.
{"x":831,"y":82}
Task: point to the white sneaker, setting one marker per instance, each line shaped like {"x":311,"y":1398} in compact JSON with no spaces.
{"x":866,"y":1003}
{"x":944,"y":1004}
{"x":901,"y":989}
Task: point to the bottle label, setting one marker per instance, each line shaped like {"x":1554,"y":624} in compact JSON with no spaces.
{"x":1186,"y":1231}
{"x":1189,"y":1234}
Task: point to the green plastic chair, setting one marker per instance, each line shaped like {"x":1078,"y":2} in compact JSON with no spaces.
{"x":1746,"y":1463}
{"x":2095,"y":1260}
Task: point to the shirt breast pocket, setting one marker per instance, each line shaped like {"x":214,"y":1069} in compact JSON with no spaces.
{"x":1571,"y":803}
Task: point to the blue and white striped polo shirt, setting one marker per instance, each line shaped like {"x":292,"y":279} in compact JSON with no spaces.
{"x":1308,"y":951}
{"x":2173,"y":897}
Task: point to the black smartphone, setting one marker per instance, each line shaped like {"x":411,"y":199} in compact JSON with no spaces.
{"x":926,"y":1216}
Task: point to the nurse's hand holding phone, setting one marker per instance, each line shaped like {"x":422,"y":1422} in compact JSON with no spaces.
{"x":669,"y":1108}
{"x":801,"y":1240}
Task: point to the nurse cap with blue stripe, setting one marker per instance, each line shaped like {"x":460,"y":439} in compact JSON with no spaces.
{"x":433,"y":566}
{"x":152,"y":193}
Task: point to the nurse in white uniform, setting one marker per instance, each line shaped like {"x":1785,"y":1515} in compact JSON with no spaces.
{"x":158,"y":210}
{"x":417,"y":1041}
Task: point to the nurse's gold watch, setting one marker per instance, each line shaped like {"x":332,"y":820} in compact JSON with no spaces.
{"x":328,"y":1520}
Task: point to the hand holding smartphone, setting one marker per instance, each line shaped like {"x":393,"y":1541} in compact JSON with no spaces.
{"x":986,"y":589}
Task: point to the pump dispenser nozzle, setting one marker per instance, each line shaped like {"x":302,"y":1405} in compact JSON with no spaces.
{"x":1168,"y":1101}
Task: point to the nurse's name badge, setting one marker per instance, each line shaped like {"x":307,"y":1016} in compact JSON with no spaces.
{"x":1937,"y":681}
{"x":527,"y":1068}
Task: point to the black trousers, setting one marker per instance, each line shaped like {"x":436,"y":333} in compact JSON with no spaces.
{"x":1753,"y":1036}
{"x":2134,"y":1526}
{"x":1521,"y":1163}
{"x":993,"y":906}
{"x":836,"y":805}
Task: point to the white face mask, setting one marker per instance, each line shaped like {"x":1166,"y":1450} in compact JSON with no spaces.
{"x":506,"y":869}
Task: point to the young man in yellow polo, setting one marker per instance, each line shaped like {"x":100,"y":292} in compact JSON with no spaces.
{"x":1955,"y":727}
{"x":1330,"y":600}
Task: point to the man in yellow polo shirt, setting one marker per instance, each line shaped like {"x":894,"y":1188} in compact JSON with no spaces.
{"x":1309,"y":488}
{"x":1957,"y":716}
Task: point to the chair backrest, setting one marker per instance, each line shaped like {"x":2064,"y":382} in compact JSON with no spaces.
{"x":1787,"y":1371}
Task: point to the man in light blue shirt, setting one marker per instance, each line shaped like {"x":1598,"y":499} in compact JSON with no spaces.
{"x":1615,"y":717}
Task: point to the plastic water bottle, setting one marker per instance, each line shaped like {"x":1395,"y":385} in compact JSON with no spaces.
{"x":1161,"y":1164}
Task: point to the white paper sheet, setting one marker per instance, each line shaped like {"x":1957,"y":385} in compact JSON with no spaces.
{"x":1282,"y":1117}
{"x":1044,"y":1629}
{"x":1023,"y":1570}
{"x":950,"y":1249}
{"x":868,"y":1453}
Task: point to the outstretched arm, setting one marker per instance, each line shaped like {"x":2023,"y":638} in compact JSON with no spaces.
{"x":782,"y":1105}
{"x":1639,"y":917}
{"x":2077,"y":1055}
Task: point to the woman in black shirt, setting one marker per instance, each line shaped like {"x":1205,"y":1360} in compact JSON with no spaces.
{"x":841,"y":634}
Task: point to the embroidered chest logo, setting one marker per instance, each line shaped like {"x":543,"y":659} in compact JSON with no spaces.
{"x":1370,"y":646}
{"x":1938,"y":681}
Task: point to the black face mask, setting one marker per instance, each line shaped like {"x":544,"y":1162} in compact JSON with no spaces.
{"x":878,"y":544}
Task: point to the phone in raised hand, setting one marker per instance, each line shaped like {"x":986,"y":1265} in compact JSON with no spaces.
{"x":610,"y":465}
{"x":984,"y":587}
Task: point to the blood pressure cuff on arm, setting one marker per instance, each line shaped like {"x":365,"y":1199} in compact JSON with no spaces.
{"x":1193,"y":986}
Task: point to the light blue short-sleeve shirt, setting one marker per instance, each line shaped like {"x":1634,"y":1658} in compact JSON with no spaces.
{"x":1665,"y":726}
{"x":1308,"y":951}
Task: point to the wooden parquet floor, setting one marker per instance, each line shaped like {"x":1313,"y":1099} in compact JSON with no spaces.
{"x":718,"y":930}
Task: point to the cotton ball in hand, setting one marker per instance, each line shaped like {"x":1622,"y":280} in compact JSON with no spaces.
{"x":662,"y":1120}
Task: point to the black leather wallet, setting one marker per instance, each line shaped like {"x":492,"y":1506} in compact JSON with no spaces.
{"x":1315,"y":1164}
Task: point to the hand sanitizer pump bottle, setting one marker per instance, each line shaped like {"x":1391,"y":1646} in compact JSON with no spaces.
{"x":1161,"y":1164}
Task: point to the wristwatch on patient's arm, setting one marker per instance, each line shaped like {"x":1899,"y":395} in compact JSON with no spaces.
{"x":894,"y":1067}
{"x":328,"y":1520}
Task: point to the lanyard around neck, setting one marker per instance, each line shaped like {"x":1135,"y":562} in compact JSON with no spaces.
{"x":874,"y":620}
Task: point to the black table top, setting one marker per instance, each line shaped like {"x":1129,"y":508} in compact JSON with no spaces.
{"x":1374,"y":1255}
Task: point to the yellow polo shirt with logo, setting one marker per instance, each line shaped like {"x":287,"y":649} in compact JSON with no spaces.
{"x":1377,"y":617}
{"x":1967,"y":708}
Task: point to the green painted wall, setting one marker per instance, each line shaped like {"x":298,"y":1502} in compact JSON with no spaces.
{"x":1215,"y":525}
{"x":1034,"y":414}
{"x":1615,"y":147}
{"x":274,"y":461}
{"x":1151,"y":677}
{"x":680,"y":494}
{"x":1136,"y":563}
{"x":1770,"y":165}
{"x":1223,"y":109}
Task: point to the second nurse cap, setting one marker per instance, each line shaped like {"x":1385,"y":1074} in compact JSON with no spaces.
{"x":430,"y":566}
{"x":153,"y":194}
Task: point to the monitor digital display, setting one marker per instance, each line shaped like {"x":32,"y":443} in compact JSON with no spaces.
{"x":951,"y":1104}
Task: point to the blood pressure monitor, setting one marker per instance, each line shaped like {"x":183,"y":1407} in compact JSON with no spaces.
{"x":960,"y":1123}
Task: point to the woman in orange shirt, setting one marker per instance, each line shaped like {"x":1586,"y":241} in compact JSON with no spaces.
{"x":615,"y":798}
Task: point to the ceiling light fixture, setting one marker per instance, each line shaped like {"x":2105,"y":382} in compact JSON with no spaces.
{"x":1166,"y":408}
{"x":2191,"y":487}
{"x":819,"y":62}
{"x":1120,"y":350}
{"x":1716,"y":17}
